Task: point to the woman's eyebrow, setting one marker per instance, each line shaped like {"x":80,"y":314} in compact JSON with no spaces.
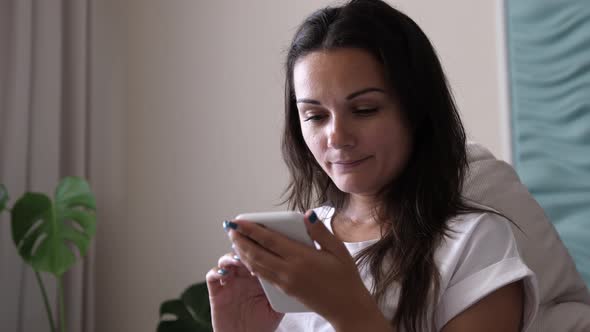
{"x":349,"y":97}
{"x":363,"y":91}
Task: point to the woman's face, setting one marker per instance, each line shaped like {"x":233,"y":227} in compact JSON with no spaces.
{"x":350,"y":119}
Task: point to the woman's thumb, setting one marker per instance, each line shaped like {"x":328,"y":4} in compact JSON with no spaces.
{"x":320,"y":234}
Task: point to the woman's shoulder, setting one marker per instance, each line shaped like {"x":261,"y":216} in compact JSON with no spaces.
{"x":466,"y":224}
{"x":477,"y":236}
{"x":477,"y":256}
{"x":475,"y":240}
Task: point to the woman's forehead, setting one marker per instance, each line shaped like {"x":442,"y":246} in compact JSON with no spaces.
{"x":334,"y":70}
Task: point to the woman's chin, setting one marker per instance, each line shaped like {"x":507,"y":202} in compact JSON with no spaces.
{"x":354,"y":187}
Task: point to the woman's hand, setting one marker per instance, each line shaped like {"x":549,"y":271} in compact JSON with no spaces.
{"x":326,"y":280}
{"x":237,"y":300}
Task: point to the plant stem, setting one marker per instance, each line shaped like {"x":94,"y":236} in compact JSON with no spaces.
{"x":47,"y":307}
{"x":62,"y":313}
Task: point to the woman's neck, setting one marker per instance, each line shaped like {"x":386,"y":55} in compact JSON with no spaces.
{"x":359,"y":209}
{"x":356,"y":221}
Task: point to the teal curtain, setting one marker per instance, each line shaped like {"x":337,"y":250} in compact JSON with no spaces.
{"x":548,"y":45}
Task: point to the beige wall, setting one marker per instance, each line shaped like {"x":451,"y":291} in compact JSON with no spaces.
{"x":204,"y":102}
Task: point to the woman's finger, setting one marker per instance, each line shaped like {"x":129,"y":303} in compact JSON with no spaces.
{"x":233,"y":263}
{"x":272,"y":241}
{"x":254,"y":256}
{"x":215,"y":279}
{"x":228,"y":265}
{"x":320,"y":234}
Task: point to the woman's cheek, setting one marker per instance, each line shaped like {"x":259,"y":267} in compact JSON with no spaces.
{"x":312,"y":139}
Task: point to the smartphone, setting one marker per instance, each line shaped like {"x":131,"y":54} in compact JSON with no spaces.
{"x":292,"y":225}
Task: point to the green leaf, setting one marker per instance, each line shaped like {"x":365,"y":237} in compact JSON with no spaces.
{"x":191,"y":311}
{"x":74,"y":191}
{"x":3,"y":197}
{"x":42,"y":231}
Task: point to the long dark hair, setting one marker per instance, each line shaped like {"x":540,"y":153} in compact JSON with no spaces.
{"x":416,"y":205}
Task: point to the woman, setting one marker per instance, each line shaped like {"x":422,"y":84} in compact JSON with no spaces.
{"x":373,"y":136}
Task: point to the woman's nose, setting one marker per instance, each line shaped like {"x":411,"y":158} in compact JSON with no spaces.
{"x":340,"y":134}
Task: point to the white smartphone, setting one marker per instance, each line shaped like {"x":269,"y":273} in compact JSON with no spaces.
{"x":292,"y":225}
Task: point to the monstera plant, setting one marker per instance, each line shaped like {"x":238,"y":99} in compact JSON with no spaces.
{"x":189,"y":313}
{"x":43,"y":230}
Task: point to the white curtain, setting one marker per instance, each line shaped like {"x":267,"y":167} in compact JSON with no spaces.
{"x":56,"y":119}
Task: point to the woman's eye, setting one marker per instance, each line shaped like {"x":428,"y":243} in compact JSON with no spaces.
{"x":313,"y":118}
{"x":365,"y":111}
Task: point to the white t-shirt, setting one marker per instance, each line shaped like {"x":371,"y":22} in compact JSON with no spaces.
{"x":479,"y":257}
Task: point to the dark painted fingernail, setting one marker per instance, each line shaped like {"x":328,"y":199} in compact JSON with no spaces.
{"x":228,"y":224}
{"x":313,"y":217}
{"x":236,"y":257}
{"x":222,"y":271}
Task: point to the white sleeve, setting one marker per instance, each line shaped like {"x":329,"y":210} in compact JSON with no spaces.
{"x":480,"y":257}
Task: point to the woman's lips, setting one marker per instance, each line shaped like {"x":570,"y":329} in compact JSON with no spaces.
{"x":348,"y":165}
